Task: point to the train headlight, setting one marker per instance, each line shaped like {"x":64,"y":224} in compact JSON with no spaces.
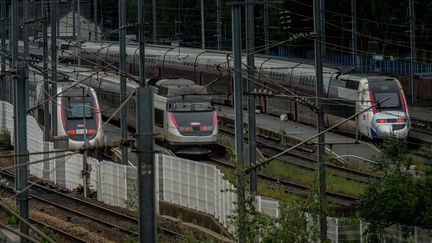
{"x":206,"y":128}
{"x":400,"y":120}
{"x":184,"y":129}
{"x":381,"y":120}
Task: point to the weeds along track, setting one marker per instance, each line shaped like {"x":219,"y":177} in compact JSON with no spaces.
{"x":293,"y":187}
{"x":305,"y":160}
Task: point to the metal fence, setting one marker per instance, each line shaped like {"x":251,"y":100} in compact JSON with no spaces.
{"x":341,"y":230}
{"x":365,"y":63}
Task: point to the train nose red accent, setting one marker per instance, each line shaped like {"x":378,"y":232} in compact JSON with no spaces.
{"x":173,"y":120}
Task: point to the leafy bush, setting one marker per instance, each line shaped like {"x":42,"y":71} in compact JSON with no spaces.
{"x":399,"y":197}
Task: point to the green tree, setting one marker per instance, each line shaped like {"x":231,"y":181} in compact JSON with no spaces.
{"x":399,"y":197}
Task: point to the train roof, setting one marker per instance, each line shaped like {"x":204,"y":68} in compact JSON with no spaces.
{"x":178,"y":87}
{"x":369,"y":77}
{"x":177,"y":82}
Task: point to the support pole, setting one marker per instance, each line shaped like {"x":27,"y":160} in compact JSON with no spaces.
{"x":413,"y":52}
{"x":219,"y":24}
{"x":21,"y":104}
{"x":79,"y":32}
{"x":250,"y":48}
{"x":3,"y":47}
{"x":354,"y":33}
{"x":154,"y":16}
{"x":145,"y":146}
{"x":95,"y":20}
{"x":238,"y":103}
{"x":46,"y":117}
{"x":202,"y":26}
{"x":122,"y":43}
{"x":13,"y":45}
{"x":323,"y":29}
{"x":321,"y":138}
{"x":25,"y":28}
{"x":25,"y":37}
{"x":54,"y":9}
{"x":3,"y":34}
{"x":85,"y":173}
{"x":266,"y":27}
{"x":13,"y":41}
{"x":74,"y":18}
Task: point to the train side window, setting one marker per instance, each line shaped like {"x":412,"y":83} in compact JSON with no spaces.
{"x":159,"y":117}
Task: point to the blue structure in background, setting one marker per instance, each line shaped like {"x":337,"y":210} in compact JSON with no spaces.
{"x":365,"y":63}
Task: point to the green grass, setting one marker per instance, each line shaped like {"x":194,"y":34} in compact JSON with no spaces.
{"x":340,"y":184}
{"x":419,"y":162}
{"x":359,"y":166}
{"x":289,"y":172}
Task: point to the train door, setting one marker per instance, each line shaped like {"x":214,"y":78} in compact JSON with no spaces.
{"x":363,"y":103}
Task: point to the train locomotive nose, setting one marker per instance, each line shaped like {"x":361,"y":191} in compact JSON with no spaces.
{"x":389,"y":126}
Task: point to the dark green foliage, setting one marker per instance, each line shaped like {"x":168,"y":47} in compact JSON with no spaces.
{"x":291,"y":225}
{"x":400,"y":197}
{"x":10,"y":218}
{"x":5,"y":140}
{"x":51,"y":234}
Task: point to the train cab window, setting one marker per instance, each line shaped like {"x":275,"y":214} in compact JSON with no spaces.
{"x":352,"y":84}
{"x":187,"y":106}
{"x":80,"y":111}
{"x":388,"y":91}
{"x":392,"y":100}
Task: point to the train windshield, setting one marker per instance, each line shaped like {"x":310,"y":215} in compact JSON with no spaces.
{"x":387,"y":92}
{"x":80,"y":111}
{"x":190,"y":104}
{"x":390,"y":100}
{"x":186,"y":106}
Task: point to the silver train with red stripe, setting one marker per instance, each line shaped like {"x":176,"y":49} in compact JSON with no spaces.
{"x":185,"y":119}
{"x":78,"y":115}
{"x":345,"y":94}
{"x":184,"y":116}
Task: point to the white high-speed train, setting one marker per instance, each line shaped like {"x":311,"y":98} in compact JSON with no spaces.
{"x":78,"y":114}
{"x":345,"y":94}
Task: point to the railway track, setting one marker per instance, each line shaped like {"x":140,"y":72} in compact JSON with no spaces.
{"x":84,"y":210}
{"x":293,"y":187}
{"x":304,"y":160}
{"x":67,"y":237}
